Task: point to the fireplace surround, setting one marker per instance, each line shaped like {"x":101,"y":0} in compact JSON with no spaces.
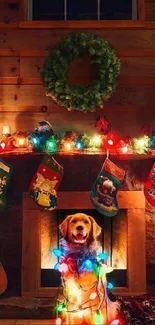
{"x":132,"y":202}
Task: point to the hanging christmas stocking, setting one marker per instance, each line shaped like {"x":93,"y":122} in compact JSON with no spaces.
{"x":149,"y":187}
{"x":43,"y":188}
{"x":103,"y":193}
{"x":5,"y":174}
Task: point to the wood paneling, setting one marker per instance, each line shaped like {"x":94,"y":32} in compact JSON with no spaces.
{"x":150,"y":10}
{"x":9,"y":66}
{"x":22,"y":56}
{"x":35,"y":95}
{"x":43,"y":39}
{"x":28,"y":68}
{"x":141,"y":10}
{"x":27,"y":117}
{"x":9,"y":11}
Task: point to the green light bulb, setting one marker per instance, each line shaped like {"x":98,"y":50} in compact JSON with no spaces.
{"x":52,"y":144}
{"x":61,"y":308}
{"x":98,"y":318}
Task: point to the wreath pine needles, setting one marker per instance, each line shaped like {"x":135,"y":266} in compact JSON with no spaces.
{"x":79,"y":97}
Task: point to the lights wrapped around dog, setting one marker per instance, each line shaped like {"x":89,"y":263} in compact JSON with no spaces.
{"x":71,"y":267}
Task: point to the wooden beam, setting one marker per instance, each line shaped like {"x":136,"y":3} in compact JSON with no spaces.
{"x":81,"y":200}
{"x":136,"y":250}
{"x":86,"y":24}
{"x":23,"y":12}
{"x":141,"y":10}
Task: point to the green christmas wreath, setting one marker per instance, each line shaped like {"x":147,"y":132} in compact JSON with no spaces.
{"x":79,"y":97}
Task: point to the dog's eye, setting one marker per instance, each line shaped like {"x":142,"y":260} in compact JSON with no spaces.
{"x":86,"y":222}
{"x":73,"y":221}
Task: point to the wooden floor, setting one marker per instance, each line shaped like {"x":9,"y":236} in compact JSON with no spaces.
{"x":26,"y":322}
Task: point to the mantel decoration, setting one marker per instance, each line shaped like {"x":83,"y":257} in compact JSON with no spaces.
{"x":79,"y":97}
{"x":43,"y":139}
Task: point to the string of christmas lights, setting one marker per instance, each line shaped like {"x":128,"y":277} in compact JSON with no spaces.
{"x":73,"y":291}
{"x":43,"y":139}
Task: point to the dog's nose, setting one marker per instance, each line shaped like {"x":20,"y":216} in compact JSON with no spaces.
{"x":79,"y":228}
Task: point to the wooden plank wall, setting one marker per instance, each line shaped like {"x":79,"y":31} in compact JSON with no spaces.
{"x":23,"y":102}
{"x":150,"y":10}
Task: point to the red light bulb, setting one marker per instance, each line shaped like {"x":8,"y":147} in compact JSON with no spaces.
{"x":110,"y":142}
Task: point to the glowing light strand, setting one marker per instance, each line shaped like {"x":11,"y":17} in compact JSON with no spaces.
{"x":63,"y":307}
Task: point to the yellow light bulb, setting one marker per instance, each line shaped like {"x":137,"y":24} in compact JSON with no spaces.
{"x":97,"y":140}
{"x":72,"y":287}
{"x":125,"y":149}
{"x":109,"y":269}
{"x":80,"y":313}
{"x":68,"y":146}
{"x":92,"y":296}
{"x":141,"y":142}
{"x":21,"y":141}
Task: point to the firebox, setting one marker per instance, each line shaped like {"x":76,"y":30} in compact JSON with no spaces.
{"x":123,"y":239}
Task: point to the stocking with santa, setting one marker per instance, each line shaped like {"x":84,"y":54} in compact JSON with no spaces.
{"x":105,"y":188}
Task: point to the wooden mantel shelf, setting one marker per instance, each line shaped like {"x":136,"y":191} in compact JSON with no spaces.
{"x":26,"y":155}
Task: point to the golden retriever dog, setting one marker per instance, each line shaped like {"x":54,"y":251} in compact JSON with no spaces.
{"x":84,"y":290}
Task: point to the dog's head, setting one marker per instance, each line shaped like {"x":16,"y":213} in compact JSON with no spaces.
{"x":79,"y":228}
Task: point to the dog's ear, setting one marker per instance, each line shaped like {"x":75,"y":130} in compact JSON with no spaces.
{"x":96,"y":229}
{"x":63,"y":227}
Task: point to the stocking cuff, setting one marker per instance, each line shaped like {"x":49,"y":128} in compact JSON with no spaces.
{"x":113,"y":169}
{"x":51,"y":163}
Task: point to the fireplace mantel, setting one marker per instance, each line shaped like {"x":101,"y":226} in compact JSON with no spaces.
{"x":132,"y":201}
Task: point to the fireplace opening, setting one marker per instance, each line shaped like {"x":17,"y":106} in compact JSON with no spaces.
{"x":113,"y":241}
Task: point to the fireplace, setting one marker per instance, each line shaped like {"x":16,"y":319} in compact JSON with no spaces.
{"x":123,"y":238}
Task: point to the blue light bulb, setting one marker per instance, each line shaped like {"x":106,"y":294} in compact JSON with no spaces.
{"x":78,"y":145}
{"x":35,"y":140}
{"x":89,"y":264}
{"x":110,"y":286}
{"x":102,"y":256}
{"x":56,"y":266}
{"x":57,"y":252}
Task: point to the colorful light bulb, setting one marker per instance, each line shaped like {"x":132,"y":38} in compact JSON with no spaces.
{"x":68,"y":146}
{"x":57,"y":252}
{"x":92,"y":296}
{"x":63,"y":267}
{"x":88,"y":264}
{"x":3,"y":145}
{"x":110,"y":142}
{"x":115,"y":322}
{"x":99,"y":320}
{"x":102,"y":256}
{"x":34,"y":140}
{"x":21,"y":141}
{"x":125,"y":149}
{"x":52,"y":144}
{"x":80,"y":314}
{"x":61,"y":307}
{"x":97,"y":140}
{"x":79,"y":145}
{"x":56,"y":266}
{"x":58,"y":321}
{"x":110,"y":286}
